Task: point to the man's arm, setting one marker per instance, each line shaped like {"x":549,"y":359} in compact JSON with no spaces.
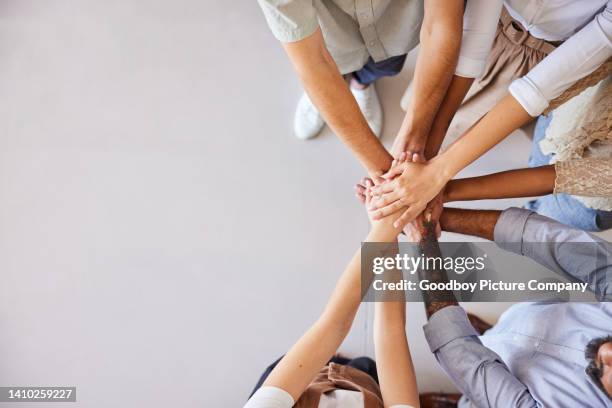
{"x":480,"y":20}
{"x":440,"y":40}
{"x":556,"y":246}
{"x":477,"y":371}
{"x":330,"y":94}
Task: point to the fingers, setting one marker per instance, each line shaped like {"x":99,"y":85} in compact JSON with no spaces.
{"x":360,"y":193}
{"x":395,"y":171}
{"x":407,"y":216}
{"x":383,"y":201}
{"x":389,"y":209}
{"x":383,"y":188}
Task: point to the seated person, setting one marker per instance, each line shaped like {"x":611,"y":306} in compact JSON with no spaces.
{"x":301,"y":378}
{"x":538,"y":354}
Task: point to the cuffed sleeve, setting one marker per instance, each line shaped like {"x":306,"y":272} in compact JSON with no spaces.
{"x":290,"y":20}
{"x":576,"y":58}
{"x":447,"y":325}
{"x":479,"y":27}
{"x":568,"y":251}
{"x":509,"y":229}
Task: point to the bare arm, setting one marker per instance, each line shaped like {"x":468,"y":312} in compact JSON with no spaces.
{"x":479,"y":223}
{"x":393,"y":360}
{"x":314,"y":349}
{"x":439,"y":49}
{"x":330,"y":94}
{"x":507,"y":184}
{"x":454,"y":97}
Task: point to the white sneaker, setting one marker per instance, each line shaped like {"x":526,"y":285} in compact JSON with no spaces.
{"x":370,"y":106}
{"x":307,"y":123}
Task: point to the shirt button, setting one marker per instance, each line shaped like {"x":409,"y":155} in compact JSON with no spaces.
{"x":372,"y":43}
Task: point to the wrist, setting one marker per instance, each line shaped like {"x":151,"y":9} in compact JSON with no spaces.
{"x":449,"y":192}
{"x":382,"y":233}
{"x":441,"y":169}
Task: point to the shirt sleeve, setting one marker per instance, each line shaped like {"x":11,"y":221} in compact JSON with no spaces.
{"x":587,"y":177}
{"x":476,"y":370}
{"x":270,"y":397}
{"x":480,"y":21}
{"x":290,"y":20}
{"x":558,"y":247}
{"x":576,"y":58}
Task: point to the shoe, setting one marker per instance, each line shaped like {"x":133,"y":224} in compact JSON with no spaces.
{"x":308,"y":122}
{"x":370,"y":106}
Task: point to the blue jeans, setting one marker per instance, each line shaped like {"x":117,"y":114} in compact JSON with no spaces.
{"x":562,"y":207}
{"x":373,"y":71}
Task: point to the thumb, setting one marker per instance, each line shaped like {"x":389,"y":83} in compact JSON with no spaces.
{"x":394,"y":171}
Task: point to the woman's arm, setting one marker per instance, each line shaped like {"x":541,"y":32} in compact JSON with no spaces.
{"x":529,"y":182}
{"x":314,"y":349}
{"x":393,"y":360}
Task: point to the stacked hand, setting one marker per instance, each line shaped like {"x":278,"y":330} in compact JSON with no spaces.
{"x":414,"y":189}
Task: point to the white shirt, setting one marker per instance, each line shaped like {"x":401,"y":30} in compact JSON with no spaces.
{"x":586,"y":28}
{"x":273,"y":397}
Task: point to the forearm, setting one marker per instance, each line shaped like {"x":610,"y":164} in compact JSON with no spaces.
{"x":394,"y":362}
{"x":479,"y":223}
{"x":478,"y":372}
{"x":314,"y":349}
{"x":528,"y":182}
{"x":330,"y":94}
{"x":438,"y":53}
{"x":455,"y":94}
{"x":507,"y":116}
{"x":434,"y":300}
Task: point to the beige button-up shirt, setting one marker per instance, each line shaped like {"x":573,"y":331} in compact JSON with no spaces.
{"x":353,"y":30}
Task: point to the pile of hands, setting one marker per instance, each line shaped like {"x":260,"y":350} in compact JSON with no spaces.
{"x":410,"y":195}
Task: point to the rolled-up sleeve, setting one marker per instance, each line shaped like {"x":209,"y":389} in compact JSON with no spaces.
{"x":576,"y":58}
{"x":290,"y":20}
{"x":476,"y":370}
{"x":479,"y":26}
{"x":558,"y":247}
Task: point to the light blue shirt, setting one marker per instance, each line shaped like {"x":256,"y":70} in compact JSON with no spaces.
{"x":534,"y":355}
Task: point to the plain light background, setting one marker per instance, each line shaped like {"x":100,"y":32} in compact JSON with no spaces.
{"x":163,"y":236}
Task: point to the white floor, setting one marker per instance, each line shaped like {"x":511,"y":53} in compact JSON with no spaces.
{"x":163,"y":236}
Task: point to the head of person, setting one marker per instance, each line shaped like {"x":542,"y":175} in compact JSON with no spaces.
{"x":599,"y":356}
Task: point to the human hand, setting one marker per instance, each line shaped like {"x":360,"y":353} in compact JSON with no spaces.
{"x":410,"y":185}
{"x":411,"y":143}
{"x":385,"y":225}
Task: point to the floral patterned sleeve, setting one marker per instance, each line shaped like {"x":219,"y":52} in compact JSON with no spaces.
{"x":587,"y":177}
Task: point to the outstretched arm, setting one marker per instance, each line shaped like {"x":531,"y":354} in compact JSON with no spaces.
{"x":313,"y":350}
{"x":477,"y":371}
{"x":393,"y":360}
{"x":439,"y":49}
{"x":315,"y":66}
{"x":556,"y":246}
{"x":528,"y":182}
